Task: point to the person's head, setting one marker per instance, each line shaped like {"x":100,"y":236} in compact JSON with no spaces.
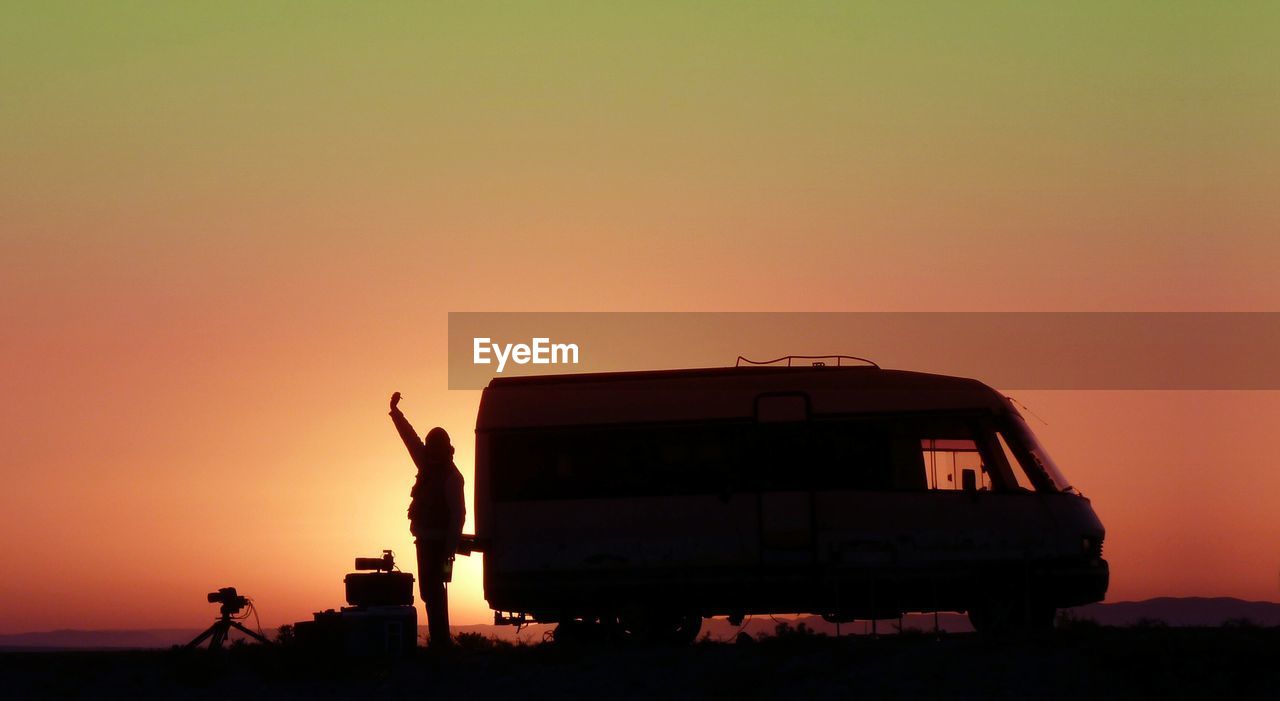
{"x":438,"y":445}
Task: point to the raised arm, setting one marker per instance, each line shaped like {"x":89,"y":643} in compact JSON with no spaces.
{"x":405,"y":429}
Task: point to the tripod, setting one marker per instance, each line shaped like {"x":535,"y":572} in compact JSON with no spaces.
{"x":219,"y":631}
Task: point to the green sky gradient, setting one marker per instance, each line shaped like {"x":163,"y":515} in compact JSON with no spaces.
{"x":1111,"y":124}
{"x":793,"y":95}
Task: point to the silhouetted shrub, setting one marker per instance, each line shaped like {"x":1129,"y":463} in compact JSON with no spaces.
{"x":908,"y":632}
{"x":1070,"y":620}
{"x":475,"y":642}
{"x":785,"y":631}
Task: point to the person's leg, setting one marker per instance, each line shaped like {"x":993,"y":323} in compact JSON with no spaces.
{"x":434,"y":595}
{"x":438,"y":615}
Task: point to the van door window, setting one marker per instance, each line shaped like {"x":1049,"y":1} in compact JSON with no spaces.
{"x":946,"y":461}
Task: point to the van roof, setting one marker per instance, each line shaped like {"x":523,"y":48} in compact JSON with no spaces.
{"x":865,"y":375}
{"x":718,"y":393}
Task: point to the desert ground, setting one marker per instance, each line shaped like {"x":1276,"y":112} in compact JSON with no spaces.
{"x":1079,"y":660}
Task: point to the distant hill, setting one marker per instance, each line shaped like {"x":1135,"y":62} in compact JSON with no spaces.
{"x":1176,"y":612}
{"x":98,"y":639}
{"x":1183,"y":611}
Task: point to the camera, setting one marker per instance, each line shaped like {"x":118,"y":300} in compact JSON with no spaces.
{"x":386,"y":563}
{"x":231,"y":601}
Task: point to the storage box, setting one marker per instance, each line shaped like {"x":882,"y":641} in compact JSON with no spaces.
{"x":379,"y":589}
{"x":380,"y":631}
{"x":374,"y":631}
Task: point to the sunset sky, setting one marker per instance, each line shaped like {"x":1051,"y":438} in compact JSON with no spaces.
{"x":228,"y":232}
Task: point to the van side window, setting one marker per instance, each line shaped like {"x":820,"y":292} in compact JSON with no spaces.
{"x":841,"y":454}
{"x":908,"y":464}
{"x":852,"y":456}
{"x":617,"y":462}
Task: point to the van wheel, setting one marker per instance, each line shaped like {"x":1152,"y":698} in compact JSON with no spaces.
{"x":576,"y":631}
{"x":653,"y":628}
{"x":571,"y":632}
{"x":1005,"y":617}
{"x":687,"y":629}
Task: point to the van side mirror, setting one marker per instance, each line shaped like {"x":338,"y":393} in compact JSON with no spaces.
{"x":969,"y":480}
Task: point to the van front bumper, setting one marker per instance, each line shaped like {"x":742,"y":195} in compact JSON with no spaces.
{"x":1077,"y":583}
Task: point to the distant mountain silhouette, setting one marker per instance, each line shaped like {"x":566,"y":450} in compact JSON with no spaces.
{"x":99,"y":639}
{"x":1187,"y":611}
{"x":1183,"y":611}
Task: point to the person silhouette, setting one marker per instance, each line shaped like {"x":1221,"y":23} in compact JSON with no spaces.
{"x":436,"y":513}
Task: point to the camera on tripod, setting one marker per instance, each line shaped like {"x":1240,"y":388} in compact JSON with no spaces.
{"x":231,"y":601}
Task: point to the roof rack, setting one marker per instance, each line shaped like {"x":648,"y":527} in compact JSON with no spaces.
{"x":791,"y":358}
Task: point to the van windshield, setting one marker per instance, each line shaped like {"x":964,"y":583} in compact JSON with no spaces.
{"x":1033,"y":456}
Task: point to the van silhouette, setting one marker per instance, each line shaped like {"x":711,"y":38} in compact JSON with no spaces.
{"x":646,"y":501}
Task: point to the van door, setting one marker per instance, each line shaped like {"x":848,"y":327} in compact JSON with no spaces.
{"x":988,"y":523}
{"x":786,"y":528}
{"x":780,"y":451}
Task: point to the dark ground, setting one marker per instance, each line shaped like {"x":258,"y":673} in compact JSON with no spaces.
{"x":1081,"y":661}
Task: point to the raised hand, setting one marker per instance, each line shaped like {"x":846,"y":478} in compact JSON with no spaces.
{"x":395,"y":399}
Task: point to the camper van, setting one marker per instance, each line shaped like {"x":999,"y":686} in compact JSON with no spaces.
{"x":648,"y":501}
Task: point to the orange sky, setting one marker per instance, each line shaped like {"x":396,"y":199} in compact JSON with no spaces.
{"x":224,"y":243}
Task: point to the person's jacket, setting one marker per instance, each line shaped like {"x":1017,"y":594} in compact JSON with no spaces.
{"x":437,"y":508}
